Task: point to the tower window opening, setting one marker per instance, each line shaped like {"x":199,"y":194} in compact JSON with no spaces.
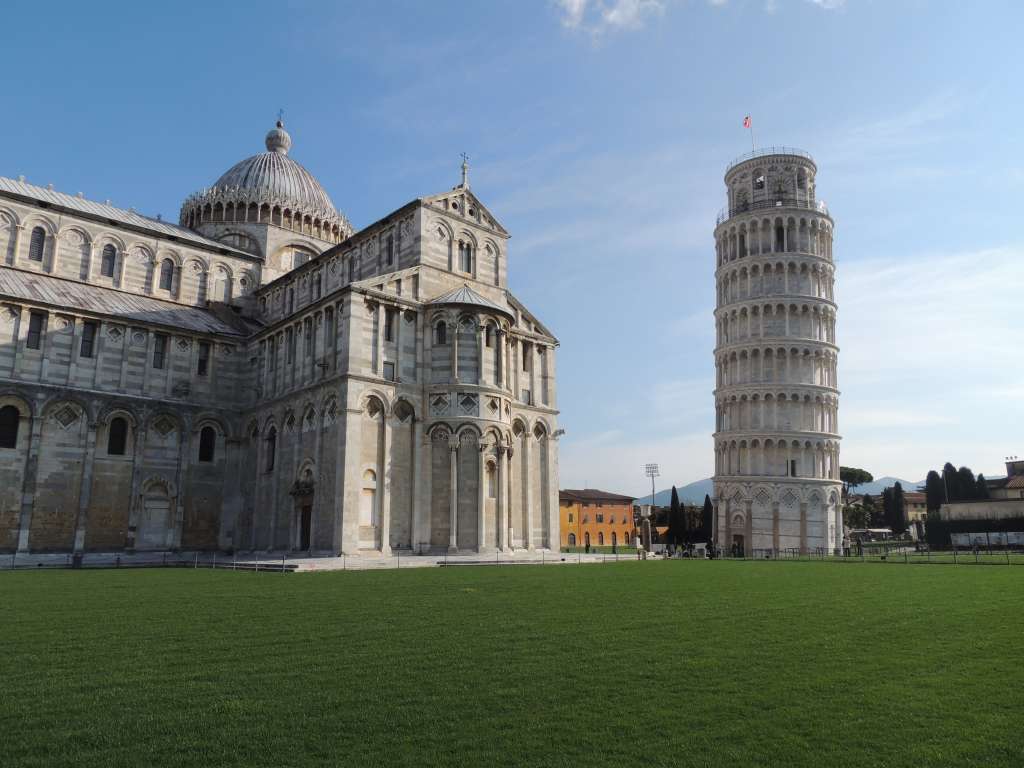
{"x":759,"y":182}
{"x":10,"y":419}
{"x":35,"y":248}
{"x":207,"y":444}
{"x":107,"y":261}
{"x":117,"y":437}
{"x":166,"y":274}
{"x":88,"y":339}
{"x":441,"y":334}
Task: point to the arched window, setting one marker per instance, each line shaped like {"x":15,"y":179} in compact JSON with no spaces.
{"x":615,"y":539}
{"x":586,"y":538}
{"x":271,"y":441}
{"x":117,"y":437}
{"x":600,"y":538}
{"x":36,"y":245}
{"x":465,"y":256}
{"x":441,"y":334}
{"x":572,"y":539}
{"x":107,"y":261}
{"x":207,"y":443}
{"x":166,"y":274}
{"x":9,"y":420}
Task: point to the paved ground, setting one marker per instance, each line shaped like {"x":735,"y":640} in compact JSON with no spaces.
{"x":292,"y":562}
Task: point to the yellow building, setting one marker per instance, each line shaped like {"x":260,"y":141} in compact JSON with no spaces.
{"x":596,"y":518}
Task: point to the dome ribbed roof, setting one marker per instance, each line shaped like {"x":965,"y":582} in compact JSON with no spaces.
{"x":273,"y":178}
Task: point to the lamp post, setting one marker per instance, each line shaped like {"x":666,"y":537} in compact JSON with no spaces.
{"x":651,"y":471}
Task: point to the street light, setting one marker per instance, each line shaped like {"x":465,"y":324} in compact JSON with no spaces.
{"x":651,"y":471}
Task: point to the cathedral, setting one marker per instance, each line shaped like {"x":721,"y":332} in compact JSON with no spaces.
{"x":262,"y":377}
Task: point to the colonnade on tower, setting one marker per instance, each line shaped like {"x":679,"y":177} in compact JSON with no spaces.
{"x":776,"y":482}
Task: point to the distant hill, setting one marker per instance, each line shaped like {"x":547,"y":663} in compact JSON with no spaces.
{"x":695,"y":492}
{"x":881,"y":483}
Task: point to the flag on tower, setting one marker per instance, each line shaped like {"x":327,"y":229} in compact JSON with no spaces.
{"x":746,"y":121}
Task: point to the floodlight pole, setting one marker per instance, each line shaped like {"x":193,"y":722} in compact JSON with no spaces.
{"x":651,"y":470}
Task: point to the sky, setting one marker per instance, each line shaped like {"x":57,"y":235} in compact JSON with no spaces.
{"x":598,"y":133}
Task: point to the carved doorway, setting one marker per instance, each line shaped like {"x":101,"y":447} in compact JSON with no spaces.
{"x":305,"y":526}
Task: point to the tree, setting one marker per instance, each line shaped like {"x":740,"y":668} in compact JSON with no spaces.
{"x":950,"y":483}
{"x":933,"y":491}
{"x":888,"y":510}
{"x":675,"y":520}
{"x":982,"y":485}
{"x":899,"y":510}
{"x":856,"y":516}
{"x":852,"y":477}
{"x":871,"y":513}
{"x":967,"y":485}
{"x":707,"y":519}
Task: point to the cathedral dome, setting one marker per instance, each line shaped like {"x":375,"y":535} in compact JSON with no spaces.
{"x":269,"y":188}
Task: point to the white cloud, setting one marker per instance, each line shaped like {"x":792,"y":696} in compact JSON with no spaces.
{"x":572,"y":12}
{"x":829,"y":5}
{"x":600,"y":16}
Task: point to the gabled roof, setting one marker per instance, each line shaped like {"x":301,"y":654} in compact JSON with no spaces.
{"x":486,"y":216}
{"x":104,"y":212}
{"x":71,"y":295}
{"x":466,"y":295}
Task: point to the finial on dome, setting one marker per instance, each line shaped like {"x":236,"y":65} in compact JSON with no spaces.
{"x":465,"y":171}
{"x":278,"y":139}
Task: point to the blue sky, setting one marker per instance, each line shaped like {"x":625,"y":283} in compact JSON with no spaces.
{"x":598,"y":133}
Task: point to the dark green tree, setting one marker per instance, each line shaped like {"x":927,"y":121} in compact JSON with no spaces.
{"x":856,"y":516}
{"x":950,"y":483}
{"x":899,"y":510}
{"x":967,"y":484}
{"x":888,"y":509}
{"x":675,"y":520}
{"x":872,"y":514}
{"x":707,"y":519}
{"x":933,"y":491}
{"x":982,"y":488}
{"x":852,"y":477}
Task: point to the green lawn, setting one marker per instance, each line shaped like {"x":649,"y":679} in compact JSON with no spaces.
{"x":655,"y":663}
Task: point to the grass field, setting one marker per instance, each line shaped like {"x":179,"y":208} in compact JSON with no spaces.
{"x":656,"y":663}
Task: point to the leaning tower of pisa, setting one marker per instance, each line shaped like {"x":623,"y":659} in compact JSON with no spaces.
{"x":776,"y":481}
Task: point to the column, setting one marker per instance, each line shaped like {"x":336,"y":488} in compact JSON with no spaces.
{"x":346,"y":503}
{"x":181,"y":479}
{"x":775,"y":526}
{"x":481,"y":496}
{"x":499,"y":339}
{"x":803,"y":527}
{"x":481,"y":335}
{"x":424,"y":338}
{"x":76,"y":348}
{"x":424,"y":502}
{"x":453,"y":454}
{"x":399,"y":321}
{"x":455,"y":351}
{"x":748,"y":538}
{"x":500,"y":502}
{"x":85,"y":488}
{"x":385,"y":489}
{"x":417,"y":474}
{"x":29,"y":483}
{"x":138,"y":448}
{"x":381,"y":315}
{"x":528,"y":481}
{"x":510,"y":539}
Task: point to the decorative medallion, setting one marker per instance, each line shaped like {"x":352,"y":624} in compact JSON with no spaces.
{"x":469,"y":405}
{"x":114,"y":333}
{"x":163,"y":426}
{"x":439,"y":405}
{"x":183,"y":343}
{"x":138,"y":338}
{"x":72,"y":237}
{"x":66,"y":416}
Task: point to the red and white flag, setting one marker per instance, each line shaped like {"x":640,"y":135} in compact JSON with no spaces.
{"x":746,"y":122}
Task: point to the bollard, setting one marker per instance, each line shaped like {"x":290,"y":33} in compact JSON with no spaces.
{"x":234,"y":561}
{"x":214,"y":565}
{"x":399,"y":551}
{"x":282,"y":562}
{"x":197,"y":561}
{"x":954,"y":555}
